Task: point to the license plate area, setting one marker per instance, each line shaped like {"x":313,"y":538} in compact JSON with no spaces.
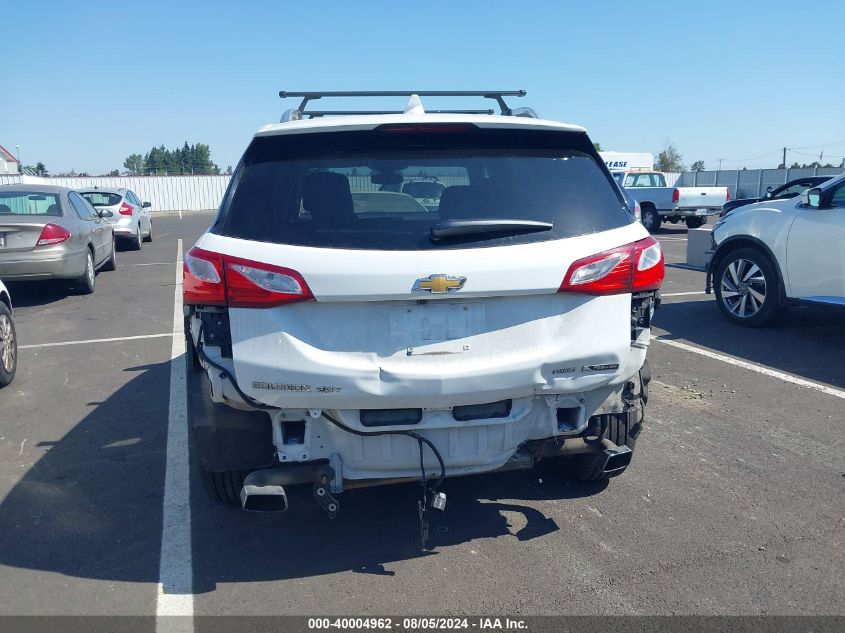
{"x":437,"y":327}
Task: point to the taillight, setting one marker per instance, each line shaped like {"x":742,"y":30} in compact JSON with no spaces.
{"x":676,"y":195}
{"x":630,"y":268}
{"x":125,"y":209}
{"x":638,"y":212}
{"x":650,"y":266}
{"x":52,"y":234}
{"x":728,"y":196}
{"x":214,"y":279}
{"x":202,"y":278}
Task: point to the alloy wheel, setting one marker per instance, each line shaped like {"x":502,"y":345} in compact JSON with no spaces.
{"x":89,"y":270}
{"x":7,"y":344}
{"x":743,"y":288}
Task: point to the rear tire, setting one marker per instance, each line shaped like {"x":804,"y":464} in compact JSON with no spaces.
{"x":136,"y":241}
{"x":111,"y":263}
{"x":224,"y":487}
{"x":694,"y":223}
{"x":85,"y":284}
{"x":651,"y":218}
{"x":8,"y":346}
{"x":622,"y":430}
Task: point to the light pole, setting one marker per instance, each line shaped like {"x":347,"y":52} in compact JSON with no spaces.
{"x":18,"y":152}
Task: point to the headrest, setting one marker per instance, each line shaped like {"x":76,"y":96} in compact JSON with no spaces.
{"x":327,"y":197}
{"x":4,"y":208}
{"x":456,"y":203}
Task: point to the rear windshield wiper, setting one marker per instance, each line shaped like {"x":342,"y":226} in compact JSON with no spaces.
{"x":455,"y":228}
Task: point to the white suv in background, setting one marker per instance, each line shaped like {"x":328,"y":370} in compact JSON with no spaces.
{"x":775,"y":253}
{"x":340,"y":333}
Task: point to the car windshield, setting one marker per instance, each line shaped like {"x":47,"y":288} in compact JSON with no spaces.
{"x":29,"y":203}
{"x":102,"y":198}
{"x":385,"y":191}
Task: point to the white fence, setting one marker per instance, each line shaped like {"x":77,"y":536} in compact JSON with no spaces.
{"x":164,"y":193}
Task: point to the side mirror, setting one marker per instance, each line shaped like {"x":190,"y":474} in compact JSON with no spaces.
{"x":812,"y":198}
{"x":105,"y":213}
{"x":769,"y":190}
{"x":146,"y":205}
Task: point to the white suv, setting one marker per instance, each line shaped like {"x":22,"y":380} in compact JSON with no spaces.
{"x":769,"y":255}
{"x":342,"y":333}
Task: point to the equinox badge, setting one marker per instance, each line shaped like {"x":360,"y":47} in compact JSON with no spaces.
{"x":439,"y":284}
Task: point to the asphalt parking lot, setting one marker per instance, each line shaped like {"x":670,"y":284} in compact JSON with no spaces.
{"x":733,"y":503}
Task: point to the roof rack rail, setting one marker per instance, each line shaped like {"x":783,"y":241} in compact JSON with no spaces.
{"x":496,"y":95}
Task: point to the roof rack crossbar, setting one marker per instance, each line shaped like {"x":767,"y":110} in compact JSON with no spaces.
{"x":319,"y":113}
{"x":496,"y":95}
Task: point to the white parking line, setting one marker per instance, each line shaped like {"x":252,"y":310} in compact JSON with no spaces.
{"x":801,"y":382}
{"x":175,"y":575}
{"x":682,"y":294}
{"x":98,"y":340}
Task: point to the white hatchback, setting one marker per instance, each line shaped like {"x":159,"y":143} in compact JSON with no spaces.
{"x":342,"y":333}
{"x":775,"y":253}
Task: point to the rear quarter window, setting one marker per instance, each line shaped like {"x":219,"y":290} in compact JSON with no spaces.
{"x":386,"y":190}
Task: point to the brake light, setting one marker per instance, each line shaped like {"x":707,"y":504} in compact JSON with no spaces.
{"x":214,"y":279}
{"x":676,"y":195}
{"x":728,"y":196}
{"x":52,"y":234}
{"x":429,"y":128}
{"x":125,"y":209}
{"x":631,"y":268}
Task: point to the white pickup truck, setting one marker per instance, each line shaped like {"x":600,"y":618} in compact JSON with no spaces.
{"x":660,"y":203}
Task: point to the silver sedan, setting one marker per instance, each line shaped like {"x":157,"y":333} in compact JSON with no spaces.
{"x":51,"y":232}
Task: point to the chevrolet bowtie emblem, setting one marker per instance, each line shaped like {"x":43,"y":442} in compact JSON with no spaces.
{"x":439,"y":284}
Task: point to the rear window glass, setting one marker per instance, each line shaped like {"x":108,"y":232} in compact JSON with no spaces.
{"x":385,"y":190}
{"x":102,"y":198}
{"x":645,"y":180}
{"x":29,"y":203}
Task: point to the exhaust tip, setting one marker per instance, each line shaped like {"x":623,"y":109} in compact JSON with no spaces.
{"x":617,"y":461}
{"x":263,"y":498}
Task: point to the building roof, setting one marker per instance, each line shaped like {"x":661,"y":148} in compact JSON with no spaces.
{"x":7,"y":155}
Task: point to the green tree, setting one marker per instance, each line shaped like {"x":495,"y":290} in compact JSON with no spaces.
{"x":597,"y":146}
{"x":698,"y":166}
{"x":134,"y":164}
{"x":188,"y":159}
{"x":41,"y":169}
{"x":669,"y":159}
{"x":202,"y":160}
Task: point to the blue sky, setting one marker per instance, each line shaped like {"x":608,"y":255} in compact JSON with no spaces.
{"x":91,"y":82}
